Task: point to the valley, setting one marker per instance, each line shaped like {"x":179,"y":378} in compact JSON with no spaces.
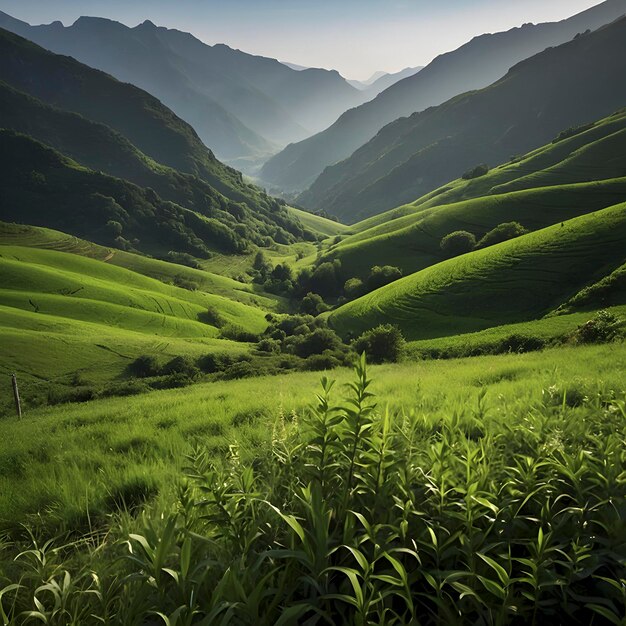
{"x":296,"y":349}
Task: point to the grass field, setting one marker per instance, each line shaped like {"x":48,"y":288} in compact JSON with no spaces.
{"x":64,"y":462}
{"x":319,"y":224}
{"x":521,"y":337}
{"x":514,"y":281}
{"x":489,"y":487}
{"x":66,"y":316}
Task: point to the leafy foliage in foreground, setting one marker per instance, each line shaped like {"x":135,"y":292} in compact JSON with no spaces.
{"x":363,"y":517}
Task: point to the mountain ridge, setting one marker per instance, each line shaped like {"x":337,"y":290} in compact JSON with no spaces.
{"x":297,"y":166}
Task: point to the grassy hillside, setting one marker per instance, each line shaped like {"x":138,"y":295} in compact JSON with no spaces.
{"x":413,"y":242}
{"x":318,"y":224}
{"x":514,"y":281}
{"x":530,"y":106}
{"x":474,"y":65}
{"x":591,"y":152}
{"x":65,"y":317}
{"x":512,"y":338}
{"x":164,"y":271}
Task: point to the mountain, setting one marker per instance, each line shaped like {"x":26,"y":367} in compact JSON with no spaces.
{"x":121,"y":131}
{"x":475,"y":65}
{"x":387,"y":80}
{"x":243,"y":106}
{"x":44,"y":188}
{"x":562,"y":87}
{"x":379,"y":81}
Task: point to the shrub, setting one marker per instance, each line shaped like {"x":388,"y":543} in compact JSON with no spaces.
{"x":317,"y":342}
{"x":185,"y":283}
{"x":326,"y":278}
{"x":572,"y":132}
{"x":238,"y":333}
{"x":242,"y":369}
{"x":381,"y":276}
{"x":383,"y":344}
{"x":319,"y":362}
{"x":181,"y":365}
{"x":313,"y":304}
{"x":604,"y":326}
{"x":216,"y":362}
{"x":502,"y":232}
{"x":213,"y":317}
{"x":476,"y":172}
{"x":457,"y":243}
{"x":271,"y":346}
{"x":182,"y":258}
{"x":354,"y":288}
{"x":144,"y":366}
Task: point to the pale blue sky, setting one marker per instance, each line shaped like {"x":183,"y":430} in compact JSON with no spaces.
{"x":356,"y":37}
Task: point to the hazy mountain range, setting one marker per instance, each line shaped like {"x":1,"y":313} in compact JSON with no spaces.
{"x":562,"y":87}
{"x":475,"y":65}
{"x":244,"y":107}
{"x":82,"y":150}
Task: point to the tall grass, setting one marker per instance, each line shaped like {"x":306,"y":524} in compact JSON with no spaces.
{"x":362,"y":515}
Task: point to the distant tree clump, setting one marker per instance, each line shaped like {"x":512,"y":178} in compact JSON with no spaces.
{"x":572,"y":132}
{"x":383,"y":344}
{"x":313,"y":304}
{"x":354,"y":288}
{"x":502,"y":232}
{"x":381,"y":276}
{"x":144,"y":366}
{"x":476,"y":172}
{"x":457,"y":243}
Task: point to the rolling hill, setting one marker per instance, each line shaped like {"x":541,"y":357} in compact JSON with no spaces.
{"x":531,"y":105}
{"x":167,"y":272}
{"x":576,"y":175}
{"x":64,"y":315}
{"x":244,"y":106}
{"x":514,"y":281}
{"x":475,"y":65}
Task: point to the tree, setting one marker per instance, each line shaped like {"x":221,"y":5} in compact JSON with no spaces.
{"x":318,"y":341}
{"x":381,"y":276}
{"x":354,"y":287}
{"x":313,"y":304}
{"x":502,"y":232}
{"x":476,"y":172}
{"x":457,"y":243}
{"x":325,"y":279}
{"x":383,"y":344}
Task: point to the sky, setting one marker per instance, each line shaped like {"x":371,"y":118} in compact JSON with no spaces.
{"x":355,"y":37}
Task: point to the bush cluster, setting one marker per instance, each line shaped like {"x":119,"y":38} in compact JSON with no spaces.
{"x":603,"y":327}
{"x":461,"y":241}
{"x":476,"y":172}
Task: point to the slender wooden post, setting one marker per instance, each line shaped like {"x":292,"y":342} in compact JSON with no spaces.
{"x":16,"y":395}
